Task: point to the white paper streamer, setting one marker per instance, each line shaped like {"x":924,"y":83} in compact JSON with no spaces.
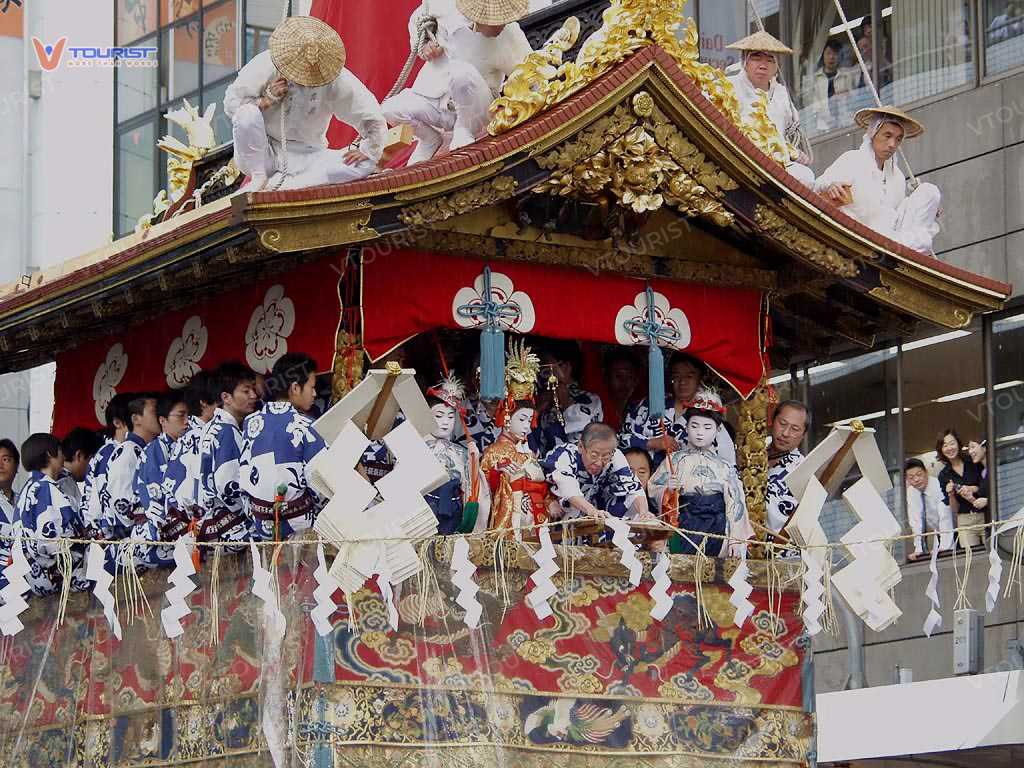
{"x":384,"y":576}
{"x":183,"y":586}
{"x":814,"y":591}
{"x":544,"y":588}
{"x":326,"y":586}
{"x":934,"y":618}
{"x":262,"y":589}
{"x":13,"y":593}
{"x":462,"y":577}
{"x":620,"y":538}
{"x":995,"y":575}
{"x":659,"y":592}
{"x":94,"y":571}
{"x":741,"y":590}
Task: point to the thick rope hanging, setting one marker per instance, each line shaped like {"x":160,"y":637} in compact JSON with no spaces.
{"x":426,"y":28}
{"x":866,"y":77}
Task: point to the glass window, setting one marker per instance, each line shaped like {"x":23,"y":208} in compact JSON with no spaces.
{"x":830,"y":87}
{"x":179,"y":50}
{"x":135,"y":19}
{"x":137,"y":87}
{"x":927,"y":46}
{"x":135,"y":175}
{"x":220,"y":41}
{"x":221,"y":124}
{"x":1008,"y":404}
{"x":1004,"y":35}
{"x":178,"y":10}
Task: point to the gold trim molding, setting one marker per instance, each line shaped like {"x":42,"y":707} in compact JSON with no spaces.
{"x":899,"y":292}
{"x":461,"y":201}
{"x":808,"y":248}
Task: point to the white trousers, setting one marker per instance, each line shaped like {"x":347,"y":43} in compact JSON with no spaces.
{"x":916,"y":221}
{"x":260,"y":158}
{"x":430,"y":119}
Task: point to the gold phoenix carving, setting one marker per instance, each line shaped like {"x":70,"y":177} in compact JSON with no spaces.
{"x":643,"y":159}
{"x":752,"y":455}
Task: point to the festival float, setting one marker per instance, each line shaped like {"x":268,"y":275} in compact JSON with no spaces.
{"x":617,"y":198}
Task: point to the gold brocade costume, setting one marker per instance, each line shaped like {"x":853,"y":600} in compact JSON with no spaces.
{"x":519,"y":493}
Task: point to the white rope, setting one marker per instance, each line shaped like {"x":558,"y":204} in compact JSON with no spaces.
{"x":866,"y":77}
{"x":285,"y":12}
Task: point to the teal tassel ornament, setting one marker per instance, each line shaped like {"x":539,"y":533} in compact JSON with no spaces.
{"x":656,"y":381}
{"x":492,"y":338}
{"x":654,"y":332}
{"x":492,"y":364}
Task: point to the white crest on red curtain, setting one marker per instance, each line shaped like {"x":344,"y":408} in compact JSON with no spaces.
{"x":502,"y":293}
{"x":664,"y":314}
{"x":108,"y":376}
{"x":185,"y":352}
{"x":266,"y":338}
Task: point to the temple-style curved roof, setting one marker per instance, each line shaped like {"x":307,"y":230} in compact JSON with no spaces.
{"x":719,"y":211}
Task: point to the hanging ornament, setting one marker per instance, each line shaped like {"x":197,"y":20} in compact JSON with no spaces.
{"x":656,"y":333}
{"x":492,"y":338}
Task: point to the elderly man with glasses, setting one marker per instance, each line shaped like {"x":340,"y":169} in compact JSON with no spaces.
{"x":790,"y":422}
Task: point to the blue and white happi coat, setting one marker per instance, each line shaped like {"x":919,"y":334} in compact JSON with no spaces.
{"x":69,"y":487}
{"x":150,"y":514}
{"x":95,"y":478}
{"x":8,"y":516}
{"x":615,"y":489}
{"x":181,"y":478}
{"x":481,"y":425}
{"x":638,"y":427}
{"x":44,"y":515}
{"x":118,"y":500}
{"x":779,"y":498}
{"x":585,"y":408}
{"x":278,"y":444}
{"x":220,"y":496}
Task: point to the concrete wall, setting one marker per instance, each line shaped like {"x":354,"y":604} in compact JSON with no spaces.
{"x":974,"y":151}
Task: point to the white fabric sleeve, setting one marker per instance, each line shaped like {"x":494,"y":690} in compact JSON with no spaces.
{"x":914,"y":517}
{"x":516,"y":48}
{"x":248,"y":87}
{"x":353,"y":103}
{"x":842,"y":171}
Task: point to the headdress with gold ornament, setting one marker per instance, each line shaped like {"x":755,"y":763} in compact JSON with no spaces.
{"x":521,"y":370}
{"x":450,"y":391}
{"x":708,"y":400}
{"x":493,"y":13}
{"x":307,"y":51}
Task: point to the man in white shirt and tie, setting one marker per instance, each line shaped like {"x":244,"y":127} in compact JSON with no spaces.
{"x":926,"y":509}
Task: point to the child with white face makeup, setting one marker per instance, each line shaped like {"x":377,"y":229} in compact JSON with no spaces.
{"x":699,"y":491}
{"x":461,"y":505}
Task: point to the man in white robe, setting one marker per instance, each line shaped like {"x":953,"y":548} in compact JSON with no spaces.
{"x":476,"y":45}
{"x":867,"y":183}
{"x":758,"y":73}
{"x":281,"y":105}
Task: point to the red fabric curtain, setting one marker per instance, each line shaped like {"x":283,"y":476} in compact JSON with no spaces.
{"x":295,"y":311}
{"x":376,"y":37}
{"x":409,"y":292}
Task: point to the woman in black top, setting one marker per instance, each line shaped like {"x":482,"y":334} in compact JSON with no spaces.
{"x":956,"y":476}
{"x":976,"y":449}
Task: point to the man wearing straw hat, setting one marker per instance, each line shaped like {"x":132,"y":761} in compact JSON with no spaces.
{"x":757,"y":72}
{"x":477,"y":44}
{"x":867,"y":183}
{"x":282,"y":102}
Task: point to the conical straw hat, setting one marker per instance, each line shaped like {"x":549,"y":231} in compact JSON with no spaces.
{"x":307,"y":51}
{"x":911,"y":128}
{"x":760,"y":41}
{"x":493,"y":13}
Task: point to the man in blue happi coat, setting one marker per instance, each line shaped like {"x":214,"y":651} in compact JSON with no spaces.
{"x":279,"y":441}
{"x":181,"y":478}
{"x":118,"y":426}
{"x":220,"y":449}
